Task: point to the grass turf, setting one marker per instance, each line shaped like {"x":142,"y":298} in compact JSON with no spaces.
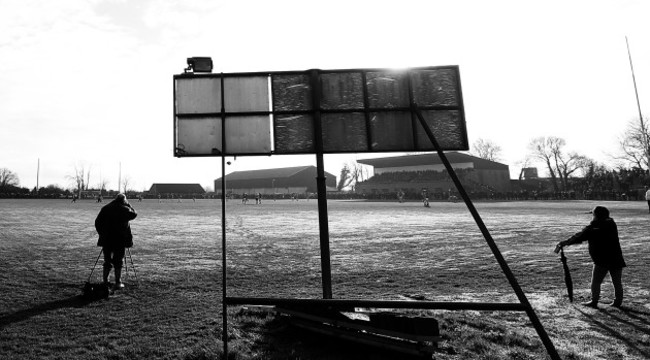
{"x":378,"y":251}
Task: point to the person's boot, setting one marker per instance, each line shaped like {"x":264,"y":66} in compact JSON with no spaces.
{"x":118,"y":279}
{"x":591,"y":304}
{"x":617,"y":303}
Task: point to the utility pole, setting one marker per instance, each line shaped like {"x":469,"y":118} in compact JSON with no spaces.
{"x":119,"y":179}
{"x":644,"y":130}
{"x":636,"y":92}
{"x":38,"y":172}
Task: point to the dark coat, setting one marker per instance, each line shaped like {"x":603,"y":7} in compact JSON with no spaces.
{"x":604,"y":246}
{"x":112,"y":225}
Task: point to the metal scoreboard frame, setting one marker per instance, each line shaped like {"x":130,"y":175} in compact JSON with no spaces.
{"x":317,"y":111}
{"x":326,"y":112}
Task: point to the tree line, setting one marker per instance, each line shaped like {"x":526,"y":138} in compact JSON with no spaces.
{"x":567,"y":170}
{"x":79,"y":179}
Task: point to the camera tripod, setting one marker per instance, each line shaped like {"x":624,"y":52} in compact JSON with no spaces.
{"x":126,"y":265}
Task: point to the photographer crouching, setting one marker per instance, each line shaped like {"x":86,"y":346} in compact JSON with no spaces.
{"x":112,"y":225}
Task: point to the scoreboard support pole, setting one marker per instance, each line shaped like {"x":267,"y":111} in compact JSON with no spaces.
{"x":321,"y":186}
{"x":546,"y":340}
{"x":224,"y":315}
{"x":224,"y":268}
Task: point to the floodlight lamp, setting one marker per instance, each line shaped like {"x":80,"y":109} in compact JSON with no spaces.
{"x":199,"y":64}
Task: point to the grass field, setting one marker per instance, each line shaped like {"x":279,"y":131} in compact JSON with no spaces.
{"x":379,"y":250}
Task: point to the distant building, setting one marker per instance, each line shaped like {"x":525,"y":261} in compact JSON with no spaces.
{"x":529,"y":173}
{"x":289,"y":180}
{"x":416,"y":172}
{"x":176,"y":190}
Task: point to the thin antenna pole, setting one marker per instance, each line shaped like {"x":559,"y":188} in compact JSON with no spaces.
{"x":38,"y":172}
{"x":119,"y":179}
{"x":636,"y":92}
{"x":644,"y":131}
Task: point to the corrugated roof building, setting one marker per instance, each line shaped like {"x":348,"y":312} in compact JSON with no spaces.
{"x":289,"y":180}
{"x":176,"y":189}
{"x":415,"y":172}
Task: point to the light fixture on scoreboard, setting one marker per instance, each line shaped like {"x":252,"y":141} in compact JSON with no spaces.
{"x":199,"y":64}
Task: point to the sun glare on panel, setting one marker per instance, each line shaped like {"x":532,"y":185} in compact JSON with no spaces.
{"x":394,"y":62}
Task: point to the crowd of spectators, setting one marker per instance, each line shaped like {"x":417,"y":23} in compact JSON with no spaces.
{"x":415,"y":176}
{"x":452,"y":194}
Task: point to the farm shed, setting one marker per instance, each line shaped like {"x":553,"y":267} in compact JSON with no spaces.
{"x":289,"y":180}
{"x":414,"y":172}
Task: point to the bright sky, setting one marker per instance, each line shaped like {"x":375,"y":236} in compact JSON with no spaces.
{"x":90,"y":81}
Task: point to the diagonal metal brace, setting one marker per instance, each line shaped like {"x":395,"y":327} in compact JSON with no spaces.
{"x":546,"y":340}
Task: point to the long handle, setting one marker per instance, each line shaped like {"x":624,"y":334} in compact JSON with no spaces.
{"x":96,"y":261}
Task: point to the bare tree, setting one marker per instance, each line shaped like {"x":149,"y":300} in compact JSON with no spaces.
{"x":351,"y":174}
{"x":567,"y":165}
{"x":345,"y":178}
{"x":486,"y":149}
{"x":87,"y":183}
{"x":8,"y":178}
{"x":359,"y":174}
{"x":126,"y":183}
{"x":588,"y":167}
{"x":78,"y":177}
{"x":103,"y":184}
{"x":525,"y":163}
{"x":560,"y":165}
{"x":543,"y":149}
{"x":635,"y":145}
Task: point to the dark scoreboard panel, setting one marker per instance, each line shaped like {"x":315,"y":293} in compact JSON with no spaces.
{"x":359,"y":110}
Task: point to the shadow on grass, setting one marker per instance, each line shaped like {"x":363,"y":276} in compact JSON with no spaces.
{"x":620,"y":334}
{"x":70,"y":302}
{"x":630,"y":311}
{"x":643,"y":323}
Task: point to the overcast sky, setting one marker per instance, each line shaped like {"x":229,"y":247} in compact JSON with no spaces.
{"x":90,"y":81}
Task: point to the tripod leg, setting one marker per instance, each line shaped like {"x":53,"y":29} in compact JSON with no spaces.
{"x":126,"y":266}
{"x":133,"y":266}
{"x":96,"y":261}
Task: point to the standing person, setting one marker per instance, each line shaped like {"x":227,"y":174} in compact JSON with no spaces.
{"x":425,"y":197}
{"x":647,"y":197}
{"x":605,"y":251}
{"x":112,"y":224}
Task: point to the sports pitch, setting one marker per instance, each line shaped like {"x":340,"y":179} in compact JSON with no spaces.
{"x":379,"y":250}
